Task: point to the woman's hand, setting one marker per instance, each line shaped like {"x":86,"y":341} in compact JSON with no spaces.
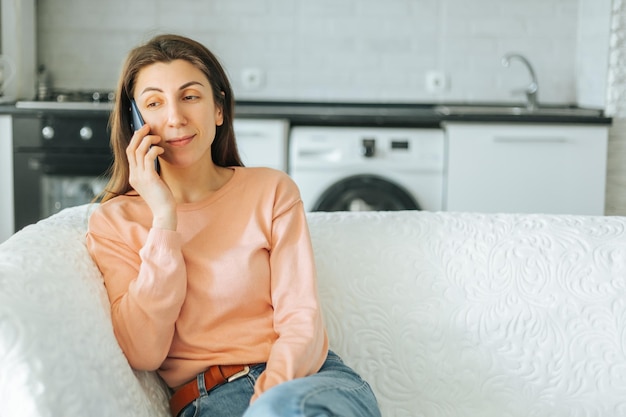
{"x":146,"y":181}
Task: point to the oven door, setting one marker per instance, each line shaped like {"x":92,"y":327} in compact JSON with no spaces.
{"x":46,"y":183}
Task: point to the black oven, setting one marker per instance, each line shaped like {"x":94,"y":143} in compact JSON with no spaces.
{"x":60,"y":159}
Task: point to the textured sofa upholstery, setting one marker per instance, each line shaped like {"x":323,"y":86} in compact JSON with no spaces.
{"x":445,"y":314}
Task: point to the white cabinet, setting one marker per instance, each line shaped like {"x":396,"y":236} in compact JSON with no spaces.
{"x":559,"y":169}
{"x":6,"y":177}
{"x":262,"y":142}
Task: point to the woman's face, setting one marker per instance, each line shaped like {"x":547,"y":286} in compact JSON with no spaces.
{"x":176,"y":101}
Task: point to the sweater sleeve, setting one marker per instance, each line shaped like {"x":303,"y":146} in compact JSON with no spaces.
{"x":146,"y":287}
{"x":302,"y":343}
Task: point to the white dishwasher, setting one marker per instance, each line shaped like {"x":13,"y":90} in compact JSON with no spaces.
{"x":262,"y":142}
{"x":526,"y":168}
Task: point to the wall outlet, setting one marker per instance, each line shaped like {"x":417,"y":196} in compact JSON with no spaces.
{"x":437,"y":82}
{"x":252,"y":78}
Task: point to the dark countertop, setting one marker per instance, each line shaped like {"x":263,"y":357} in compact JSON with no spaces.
{"x":371,"y":114}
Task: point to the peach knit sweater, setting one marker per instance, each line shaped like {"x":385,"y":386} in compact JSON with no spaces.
{"x":235,"y":284}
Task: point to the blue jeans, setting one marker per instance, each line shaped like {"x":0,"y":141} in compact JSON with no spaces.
{"x":336,"y":390}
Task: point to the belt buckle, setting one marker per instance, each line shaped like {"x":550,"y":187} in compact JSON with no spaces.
{"x":245,"y":371}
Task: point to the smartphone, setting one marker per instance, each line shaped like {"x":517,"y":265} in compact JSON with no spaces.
{"x":136,"y":123}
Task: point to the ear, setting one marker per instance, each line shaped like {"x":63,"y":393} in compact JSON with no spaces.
{"x":219,"y":112}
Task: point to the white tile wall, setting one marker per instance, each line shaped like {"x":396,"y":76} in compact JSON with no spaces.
{"x":593,"y":51}
{"x":353,"y":50}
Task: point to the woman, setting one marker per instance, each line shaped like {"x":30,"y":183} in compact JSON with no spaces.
{"x":208,"y":265}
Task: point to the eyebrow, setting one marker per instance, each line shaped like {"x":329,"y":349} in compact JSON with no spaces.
{"x":182,"y":87}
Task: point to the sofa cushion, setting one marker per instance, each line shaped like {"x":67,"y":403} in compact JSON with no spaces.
{"x":464,"y":314}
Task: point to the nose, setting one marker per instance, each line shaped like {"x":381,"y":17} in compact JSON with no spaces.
{"x":175,"y":115}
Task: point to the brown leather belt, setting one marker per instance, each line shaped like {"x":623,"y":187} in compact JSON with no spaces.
{"x":214,"y":376}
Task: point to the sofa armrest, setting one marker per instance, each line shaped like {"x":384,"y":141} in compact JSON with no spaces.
{"x":59,"y":353}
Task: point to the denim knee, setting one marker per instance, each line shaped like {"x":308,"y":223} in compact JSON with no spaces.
{"x":335,"y":390}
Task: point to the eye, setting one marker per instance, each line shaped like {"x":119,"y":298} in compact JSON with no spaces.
{"x":190,"y":97}
{"x":152,"y":100}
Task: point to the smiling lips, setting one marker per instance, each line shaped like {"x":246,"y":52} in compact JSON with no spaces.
{"x":180,"y":141}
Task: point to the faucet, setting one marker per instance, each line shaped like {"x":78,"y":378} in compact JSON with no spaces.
{"x":531,"y":89}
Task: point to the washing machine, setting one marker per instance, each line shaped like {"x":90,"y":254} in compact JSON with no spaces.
{"x":368,"y":169}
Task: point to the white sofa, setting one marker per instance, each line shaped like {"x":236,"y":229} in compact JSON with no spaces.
{"x":446,"y":314}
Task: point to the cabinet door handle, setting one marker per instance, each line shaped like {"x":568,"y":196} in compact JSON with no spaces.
{"x":526,"y":139}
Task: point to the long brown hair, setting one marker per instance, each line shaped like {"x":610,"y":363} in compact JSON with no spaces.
{"x":167,"y":48}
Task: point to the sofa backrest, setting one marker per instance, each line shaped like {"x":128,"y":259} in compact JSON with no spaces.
{"x":457,"y":314}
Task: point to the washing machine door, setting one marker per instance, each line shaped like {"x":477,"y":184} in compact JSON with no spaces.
{"x":365,"y":193}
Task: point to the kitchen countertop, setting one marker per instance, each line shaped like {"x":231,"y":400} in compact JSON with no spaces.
{"x":370,"y":114}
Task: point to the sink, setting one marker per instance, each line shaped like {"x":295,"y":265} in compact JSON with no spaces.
{"x":468,"y":109}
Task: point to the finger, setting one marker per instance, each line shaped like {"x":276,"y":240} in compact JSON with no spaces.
{"x":138,"y":136}
{"x":141,"y":149}
{"x":144,"y":128}
{"x":146,"y":142}
{"x":136,"y":139}
{"x":156,"y":150}
{"x":144,"y":145}
{"x":152,"y":154}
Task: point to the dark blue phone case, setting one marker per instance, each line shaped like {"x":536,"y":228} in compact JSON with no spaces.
{"x":136,"y":123}
{"x":137,"y":120}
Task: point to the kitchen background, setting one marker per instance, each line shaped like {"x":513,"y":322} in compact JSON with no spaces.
{"x":412,"y":51}
{"x":347,"y":50}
